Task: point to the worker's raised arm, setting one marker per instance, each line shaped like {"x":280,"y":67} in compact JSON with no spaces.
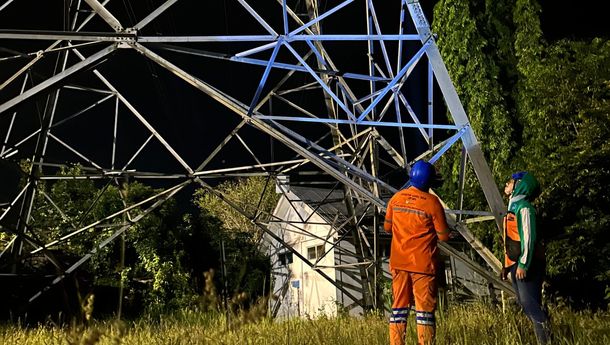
{"x":440,"y":222}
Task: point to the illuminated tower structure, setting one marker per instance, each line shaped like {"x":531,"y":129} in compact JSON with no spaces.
{"x":183,"y":93}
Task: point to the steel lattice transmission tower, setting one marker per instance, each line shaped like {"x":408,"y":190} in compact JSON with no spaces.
{"x":331,"y":85}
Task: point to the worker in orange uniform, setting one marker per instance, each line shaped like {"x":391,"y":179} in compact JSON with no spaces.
{"x":416,"y":220}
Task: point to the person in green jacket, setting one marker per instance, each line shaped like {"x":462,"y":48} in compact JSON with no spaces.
{"x":525,"y":259}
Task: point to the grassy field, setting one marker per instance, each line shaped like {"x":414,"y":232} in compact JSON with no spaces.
{"x":463,"y":324}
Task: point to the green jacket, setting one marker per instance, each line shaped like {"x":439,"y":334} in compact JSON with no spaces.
{"x":526,"y":190}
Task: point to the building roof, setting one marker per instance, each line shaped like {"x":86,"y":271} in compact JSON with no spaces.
{"x":330,"y":204}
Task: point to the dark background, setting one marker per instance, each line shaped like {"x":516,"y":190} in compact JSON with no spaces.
{"x":188,"y":119}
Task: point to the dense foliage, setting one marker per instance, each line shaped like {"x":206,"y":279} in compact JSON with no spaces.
{"x":159,"y":262}
{"x":157,"y":265}
{"x":247,"y":267}
{"x":544,"y":107}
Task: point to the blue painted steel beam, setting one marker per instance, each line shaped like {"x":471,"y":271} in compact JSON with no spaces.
{"x":448,"y":144}
{"x":411,"y":112}
{"x":234,"y":38}
{"x":384,"y":51}
{"x":430,"y":103}
{"x":350,"y":122}
{"x":317,"y":53}
{"x":354,"y":38}
{"x":298,"y":68}
{"x":279,"y":65}
{"x":320,"y":81}
{"x":257,"y":17}
{"x":444,"y":149}
{"x":320,"y":17}
{"x":401,"y":29}
{"x":285,"y":17}
{"x":396,"y":79}
{"x":401,"y":135}
{"x":259,"y":90}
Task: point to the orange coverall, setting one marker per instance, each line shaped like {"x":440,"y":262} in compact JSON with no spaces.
{"x":416,"y":220}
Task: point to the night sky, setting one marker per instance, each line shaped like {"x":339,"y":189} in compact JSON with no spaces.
{"x":189,"y":120}
{"x":574,"y":19}
{"x":182,"y":114}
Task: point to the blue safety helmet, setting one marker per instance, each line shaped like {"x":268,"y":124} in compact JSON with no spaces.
{"x":518,"y":175}
{"x":422,"y":175}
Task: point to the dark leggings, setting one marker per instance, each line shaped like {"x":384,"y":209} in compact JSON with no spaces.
{"x":529,"y":296}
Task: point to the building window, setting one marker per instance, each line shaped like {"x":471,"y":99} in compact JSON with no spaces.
{"x":285,"y":258}
{"x":316,"y":252}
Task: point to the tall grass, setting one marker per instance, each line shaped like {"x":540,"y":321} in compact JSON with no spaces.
{"x":459,"y":324}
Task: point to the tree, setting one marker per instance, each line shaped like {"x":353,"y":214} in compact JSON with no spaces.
{"x":158,"y":263}
{"x":254,"y":195}
{"x":247,"y":266}
{"x":475,"y":40}
{"x":542,"y":107}
{"x":568,"y":126}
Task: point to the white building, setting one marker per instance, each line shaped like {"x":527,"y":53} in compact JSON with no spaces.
{"x":301,"y":289}
{"x":313,"y":222}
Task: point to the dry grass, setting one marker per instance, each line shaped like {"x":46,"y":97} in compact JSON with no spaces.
{"x":462,"y":324}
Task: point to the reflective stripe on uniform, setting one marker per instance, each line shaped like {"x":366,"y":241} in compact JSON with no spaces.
{"x":425,"y":318}
{"x":399,"y":315}
{"x":400,"y":310}
{"x":410,"y":210}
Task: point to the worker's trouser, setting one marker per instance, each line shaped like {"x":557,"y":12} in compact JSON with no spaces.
{"x":410,"y":289}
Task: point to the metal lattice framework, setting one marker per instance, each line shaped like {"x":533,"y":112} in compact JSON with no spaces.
{"x":341,"y":103}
